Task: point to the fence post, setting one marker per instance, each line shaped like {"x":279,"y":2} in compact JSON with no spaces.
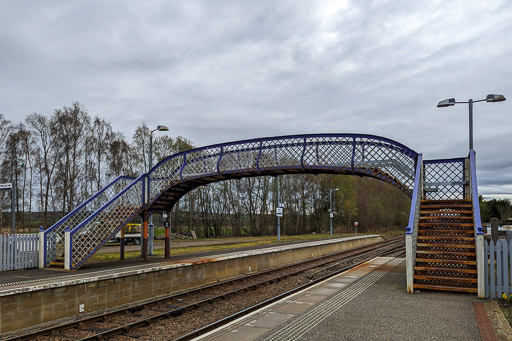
{"x":67,"y":249}
{"x":494,"y":229}
{"x":42,"y":248}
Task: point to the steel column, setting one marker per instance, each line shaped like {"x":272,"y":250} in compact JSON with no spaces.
{"x":145,"y":235}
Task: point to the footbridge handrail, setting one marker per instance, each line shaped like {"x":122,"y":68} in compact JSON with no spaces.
{"x":55,"y":233}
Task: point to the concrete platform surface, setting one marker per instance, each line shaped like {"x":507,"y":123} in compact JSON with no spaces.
{"x":366,"y":303}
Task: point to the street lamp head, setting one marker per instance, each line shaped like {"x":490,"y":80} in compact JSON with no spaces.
{"x":495,"y":98}
{"x":446,"y":103}
{"x":162,"y":128}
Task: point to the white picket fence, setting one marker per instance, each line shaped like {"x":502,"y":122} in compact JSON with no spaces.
{"x":20,"y":251}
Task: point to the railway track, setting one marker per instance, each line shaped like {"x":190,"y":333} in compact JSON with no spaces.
{"x":188,"y":314}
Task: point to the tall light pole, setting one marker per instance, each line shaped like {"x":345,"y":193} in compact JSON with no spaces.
{"x":331,"y":214}
{"x":451,"y":101}
{"x":150,"y":224}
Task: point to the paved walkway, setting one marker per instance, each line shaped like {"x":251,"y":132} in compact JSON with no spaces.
{"x":366,"y":303}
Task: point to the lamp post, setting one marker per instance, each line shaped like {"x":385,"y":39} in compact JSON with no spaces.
{"x":451,"y":102}
{"x":331,"y":214}
{"x":151,"y":226}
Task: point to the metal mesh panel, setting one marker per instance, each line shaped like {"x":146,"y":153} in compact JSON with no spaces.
{"x":382,"y":158}
{"x":55,"y":234}
{"x":329,"y":151}
{"x":241,"y":157}
{"x":88,"y":237}
{"x":166,"y":174}
{"x":444,"y":179}
{"x":281,"y":153}
{"x":201,"y":163}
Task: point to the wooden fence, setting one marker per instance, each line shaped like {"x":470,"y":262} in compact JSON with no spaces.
{"x":20,"y":251}
{"x":498,"y":274}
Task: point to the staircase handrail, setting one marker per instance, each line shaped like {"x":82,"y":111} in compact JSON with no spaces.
{"x":55,"y":233}
{"x":99,"y":210}
{"x":411,"y":231}
{"x":82,"y":205}
{"x":474,"y":193}
{"x":416,"y":196}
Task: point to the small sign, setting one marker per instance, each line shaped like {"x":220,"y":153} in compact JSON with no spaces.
{"x":356,"y":223}
{"x":331,"y":215}
{"x":6,"y":186}
{"x":164,"y":215}
{"x":279,"y":211}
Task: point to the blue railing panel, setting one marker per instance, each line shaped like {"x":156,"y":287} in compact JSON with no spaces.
{"x":103,"y":224}
{"x":54,"y":235}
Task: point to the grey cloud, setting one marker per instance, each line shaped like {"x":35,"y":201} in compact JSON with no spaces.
{"x":227,"y":70}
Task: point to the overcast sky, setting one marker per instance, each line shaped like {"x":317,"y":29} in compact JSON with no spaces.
{"x":216,"y":71}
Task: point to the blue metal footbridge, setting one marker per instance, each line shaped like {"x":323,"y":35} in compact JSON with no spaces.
{"x":78,"y":235}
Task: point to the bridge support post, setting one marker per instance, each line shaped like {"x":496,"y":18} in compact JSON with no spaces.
{"x":145,"y":235}
{"x":167,"y":225}
{"x":121,"y":245}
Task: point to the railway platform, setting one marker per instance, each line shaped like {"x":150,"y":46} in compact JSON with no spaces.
{"x":367,"y":303}
{"x":40,"y":296}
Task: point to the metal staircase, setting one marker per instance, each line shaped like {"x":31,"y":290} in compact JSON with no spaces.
{"x":444,"y":238}
{"x":445,"y":254}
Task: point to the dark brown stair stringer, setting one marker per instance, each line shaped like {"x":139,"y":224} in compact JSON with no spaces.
{"x":445,"y":256}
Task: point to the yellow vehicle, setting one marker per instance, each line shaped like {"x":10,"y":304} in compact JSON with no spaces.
{"x":132,"y":234}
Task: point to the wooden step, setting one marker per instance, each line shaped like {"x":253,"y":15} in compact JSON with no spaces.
{"x":445,"y":224}
{"x":448,"y":253}
{"x":470,"y":207}
{"x":422,"y":211}
{"x":448,"y":231}
{"x":445,"y":201}
{"x":444,"y":288}
{"x":446,"y":238}
{"x":446,"y":278}
{"x":458,"y":246}
{"x":445,"y":261}
{"x":445,"y":269}
{"x":437,"y":217}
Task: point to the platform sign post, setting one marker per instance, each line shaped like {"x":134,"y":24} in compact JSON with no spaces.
{"x":355,"y":224}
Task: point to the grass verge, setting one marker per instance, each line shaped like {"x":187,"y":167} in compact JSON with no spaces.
{"x":226,"y":243}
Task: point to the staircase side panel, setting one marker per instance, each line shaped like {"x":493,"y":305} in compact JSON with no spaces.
{"x":54,"y":236}
{"x":104,"y":223}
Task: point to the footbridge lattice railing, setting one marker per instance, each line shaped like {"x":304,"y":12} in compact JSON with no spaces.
{"x":350,"y":153}
{"x":52,"y":239}
{"x":85,"y":239}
